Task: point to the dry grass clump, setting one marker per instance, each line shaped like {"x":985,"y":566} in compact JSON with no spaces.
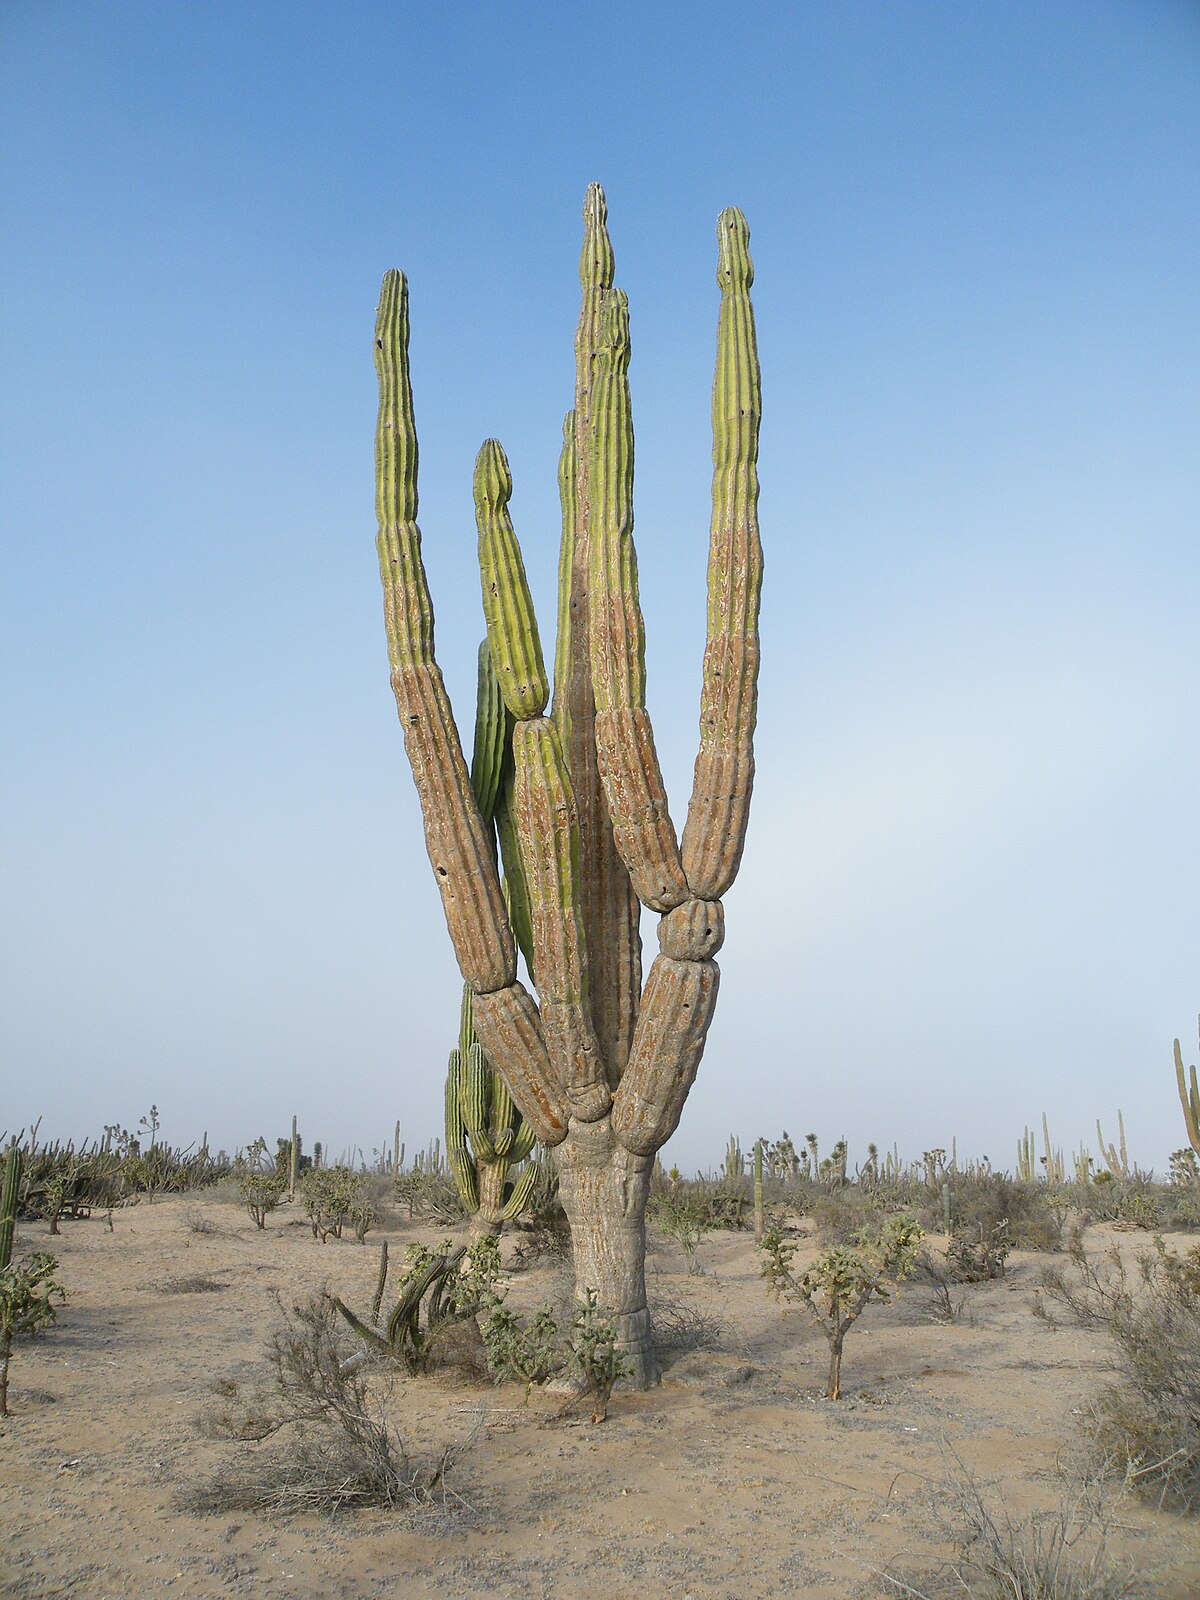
{"x":680,"y":1327}
{"x":1149,"y":1415}
{"x":340,"y":1451}
{"x":1060,"y":1554}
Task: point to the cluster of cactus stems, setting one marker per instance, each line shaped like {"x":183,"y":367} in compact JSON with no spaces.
{"x":1115,"y":1156}
{"x":597,"y":1065}
{"x":486,"y":1136}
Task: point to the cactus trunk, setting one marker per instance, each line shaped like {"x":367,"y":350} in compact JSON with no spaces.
{"x":604,"y":1188}
{"x":598,"y":1068}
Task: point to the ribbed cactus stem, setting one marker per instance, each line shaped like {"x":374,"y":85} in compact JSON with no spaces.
{"x":715,"y":832}
{"x":507,"y":604}
{"x":10,"y":1193}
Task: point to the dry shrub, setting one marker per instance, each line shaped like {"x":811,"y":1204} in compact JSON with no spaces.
{"x":680,"y":1327}
{"x":1149,"y":1415}
{"x":1056,"y":1555}
{"x":844,"y":1212}
{"x":341,"y":1450}
{"x":1060,"y":1554}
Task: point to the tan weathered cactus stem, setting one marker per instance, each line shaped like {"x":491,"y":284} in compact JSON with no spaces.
{"x":459,"y":846}
{"x":454,"y":834}
{"x":629,"y":769}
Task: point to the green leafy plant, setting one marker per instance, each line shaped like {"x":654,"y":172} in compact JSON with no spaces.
{"x":840,"y":1284}
{"x":28,"y":1292}
{"x":680,"y":1215}
{"x":534,"y":1352}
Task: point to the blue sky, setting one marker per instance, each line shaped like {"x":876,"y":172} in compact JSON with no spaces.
{"x":969,"y":890}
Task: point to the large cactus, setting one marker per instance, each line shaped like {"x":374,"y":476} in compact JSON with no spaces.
{"x":599,"y":1067}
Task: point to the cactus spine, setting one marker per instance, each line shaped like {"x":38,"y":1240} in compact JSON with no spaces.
{"x":598,"y":1067}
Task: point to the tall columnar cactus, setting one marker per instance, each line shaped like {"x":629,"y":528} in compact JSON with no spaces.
{"x":486,"y":1136}
{"x":598,"y":1066}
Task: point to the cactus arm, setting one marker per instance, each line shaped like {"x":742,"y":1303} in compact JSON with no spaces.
{"x":457,"y":1153}
{"x":516,"y":890}
{"x":505,"y":1119}
{"x":543,"y":804}
{"x":510,"y":1030}
{"x":523,"y":1142}
{"x":715,"y":831}
{"x":459,"y":845}
{"x":491,"y":736}
{"x":521,"y":1190}
{"x":512,"y":626}
{"x":455,"y":837}
{"x":474,"y":1102}
{"x":633,"y":785}
{"x":10,"y":1191}
{"x":1189,"y":1099}
{"x":677,"y":1009}
{"x":611,"y":911}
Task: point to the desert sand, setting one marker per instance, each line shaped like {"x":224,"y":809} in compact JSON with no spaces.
{"x":733,"y":1479}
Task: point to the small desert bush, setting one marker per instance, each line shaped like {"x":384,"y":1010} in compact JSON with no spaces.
{"x":841,"y":1213}
{"x":429,"y":1196}
{"x":840,"y":1284}
{"x":681,"y":1327}
{"x":538,"y":1349}
{"x":341,"y":1450}
{"x":1061,"y":1554}
{"x":29,"y":1298}
{"x":1149,"y":1415}
{"x":682,"y":1218}
{"x":1033,"y":1215}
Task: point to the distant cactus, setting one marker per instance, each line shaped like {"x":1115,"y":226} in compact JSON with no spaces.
{"x":1189,"y":1099}
{"x":1115,"y":1159}
{"x":1027,"y":1158}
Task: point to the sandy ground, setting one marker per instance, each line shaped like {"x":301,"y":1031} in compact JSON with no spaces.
{"x":733,"y":1479}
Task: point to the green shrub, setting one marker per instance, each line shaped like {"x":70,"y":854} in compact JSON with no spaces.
{"x":843,"y":1282}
